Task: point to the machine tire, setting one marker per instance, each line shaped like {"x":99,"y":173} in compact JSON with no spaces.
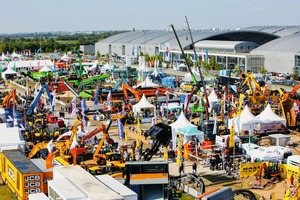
{"x":101,"y":161}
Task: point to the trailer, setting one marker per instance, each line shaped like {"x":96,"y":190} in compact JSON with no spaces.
{"x":64,"y":190}
{"x":20,"y":174}
{"x":85,"y":182}
{"x":47,"y":173}
{"x":118,"y":187}
{"x":269,"y":127}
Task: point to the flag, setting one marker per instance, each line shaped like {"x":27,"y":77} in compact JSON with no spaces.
{"x":96,"y":96}
{"x":73,"y":149}
{"x":206,"y":55}
{"x":167,"y":98}
{"x":53,"y":103}
{"x":49,"y":159}
{"x":83,"y":105}
{"x":39,"y":66}
{"x":186,"y":101}
{"x":167,"y":58}
{"x":132,"y":53}
{"x":224,"y":102}
{"x":121,"y":129}
{"x":215,"y":123}
{"x":123,"y":109}
{"x":73,"y":107}
{"x":231,"y":141}
{"x":15,"y":67}
{"x":109,"y":100}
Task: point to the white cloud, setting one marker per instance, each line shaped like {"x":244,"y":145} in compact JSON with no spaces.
{"x":258,"y":8}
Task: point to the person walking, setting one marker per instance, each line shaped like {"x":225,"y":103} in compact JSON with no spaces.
{"x":181,"y":169}
{"x":194,"y":167}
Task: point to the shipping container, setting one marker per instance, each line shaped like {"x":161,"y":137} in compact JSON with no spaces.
{"x":20,"y":174}
{"x":47,"y":173}
{"x":38,"y":196}
{"x":64,"y":190}
{"x":85,"y":182}
{"x":118,"y":187}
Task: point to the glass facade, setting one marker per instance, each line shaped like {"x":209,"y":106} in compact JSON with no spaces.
{"x":297,"y":63}
{"x":255,"y":63}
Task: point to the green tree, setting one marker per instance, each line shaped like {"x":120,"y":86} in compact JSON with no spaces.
{"x":147,"y":57}
{"x":205,"y":65}
{"x":98,"y":54}
{"x":295,"y":74}
{"x":263,"y":70}
{"x":213,"y":64}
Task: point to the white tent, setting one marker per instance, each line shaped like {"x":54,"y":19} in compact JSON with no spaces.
{"x":8,"y":71}
{"x":212,"y":99}
{"x":269,"y":115}
{"x":3,"y":57}
{"x":143,"y":103}
{"x":244,"y":121}
{"x":181,"y":122}
{"x":65,"y":58}
{"x":45,"y":69}
{"x":188,"y":76}
{"x":11,"y":138}
{"x":30,"y":64}
{"x":147,"y":83}
{"x":15,"y":55}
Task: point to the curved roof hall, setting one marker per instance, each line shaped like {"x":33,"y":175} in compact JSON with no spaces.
{"x":277,"y":30}
{"x":151,"y":37}
{"x":290,"y":43}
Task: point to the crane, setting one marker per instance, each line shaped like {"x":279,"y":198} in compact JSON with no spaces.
{"x":197,"y":85}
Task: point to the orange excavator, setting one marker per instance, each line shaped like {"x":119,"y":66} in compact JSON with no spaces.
{"x":137,"y":94}
{"x":270,"y":171}
{"x":12,"y":95}
{"x":86,"y":139}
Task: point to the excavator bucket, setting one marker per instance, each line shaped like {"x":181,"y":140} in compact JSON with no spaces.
{"x":160,"y":132}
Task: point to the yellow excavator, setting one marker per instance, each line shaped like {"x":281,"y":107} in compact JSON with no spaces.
{"x":256,"y":92}
{"x":287,"y":107}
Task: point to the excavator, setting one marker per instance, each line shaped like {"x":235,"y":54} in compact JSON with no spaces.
{"x":137,"y":94}
{"x":257,"y":93}
{"x":287,"y":107}
{"x":270,"y":171}
{"x":7,"y":99}
{"x":64,"y":146}
{"x":105,"y":156}
{"x":87,"y":138}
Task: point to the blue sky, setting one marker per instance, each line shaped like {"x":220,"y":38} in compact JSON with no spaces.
{"x":96,"y":15}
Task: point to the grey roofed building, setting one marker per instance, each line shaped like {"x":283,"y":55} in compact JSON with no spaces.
{"x":276,"y":49}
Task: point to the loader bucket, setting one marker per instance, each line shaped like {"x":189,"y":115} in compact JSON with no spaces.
{"x":160,"y":132}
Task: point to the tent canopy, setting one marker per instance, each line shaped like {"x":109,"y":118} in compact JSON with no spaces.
{"x":190,"y":130}
{"x":268,"y":114}
{"x":147,"y":83}
{"x":8,"y":71}
{"x":181,"y":122}
{"x":143,"y":103}
{"x":45,"y":69}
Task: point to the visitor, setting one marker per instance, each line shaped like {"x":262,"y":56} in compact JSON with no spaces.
{"x":194,"y":167}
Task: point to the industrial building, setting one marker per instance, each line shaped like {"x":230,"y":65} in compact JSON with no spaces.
{"x":274,"y":47}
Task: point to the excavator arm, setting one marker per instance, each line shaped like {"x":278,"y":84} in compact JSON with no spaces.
{"x":127,"y":88}
{"x":42,"y":145}
{"x":93,"y":133}
{"x":7,"y":98}
{"x":37,"y":98}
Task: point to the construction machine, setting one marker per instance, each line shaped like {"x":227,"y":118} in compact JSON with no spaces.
{"x":87,"y":138}
{"x":137,"y":94}
{"x":293,"y":193}
{"x":257,"y":92}
{"x":105,"y":156}
{"x":161,"y":134}
{"x":287,"y":107}
{"x":270,"y":171}
{"x":11,"y":96}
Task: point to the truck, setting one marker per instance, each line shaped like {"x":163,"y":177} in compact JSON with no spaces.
{"x":269,"y":127}
{"x":20,"y":174}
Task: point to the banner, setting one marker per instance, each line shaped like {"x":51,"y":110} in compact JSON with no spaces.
{"x":249,"y":169}
{"x":121,"y":129}
{"x":167,"y":58}
{"x":109,"y":100}
{"x":96,"y":96}
{"x":231,"y":140}
{"x":73,"y":107}
{"x":49,"y":159}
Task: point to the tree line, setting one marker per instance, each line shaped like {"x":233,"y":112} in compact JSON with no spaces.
{"x":50,"y":42}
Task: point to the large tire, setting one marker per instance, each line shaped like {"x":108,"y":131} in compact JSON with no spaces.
{"x":101,"y":161}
